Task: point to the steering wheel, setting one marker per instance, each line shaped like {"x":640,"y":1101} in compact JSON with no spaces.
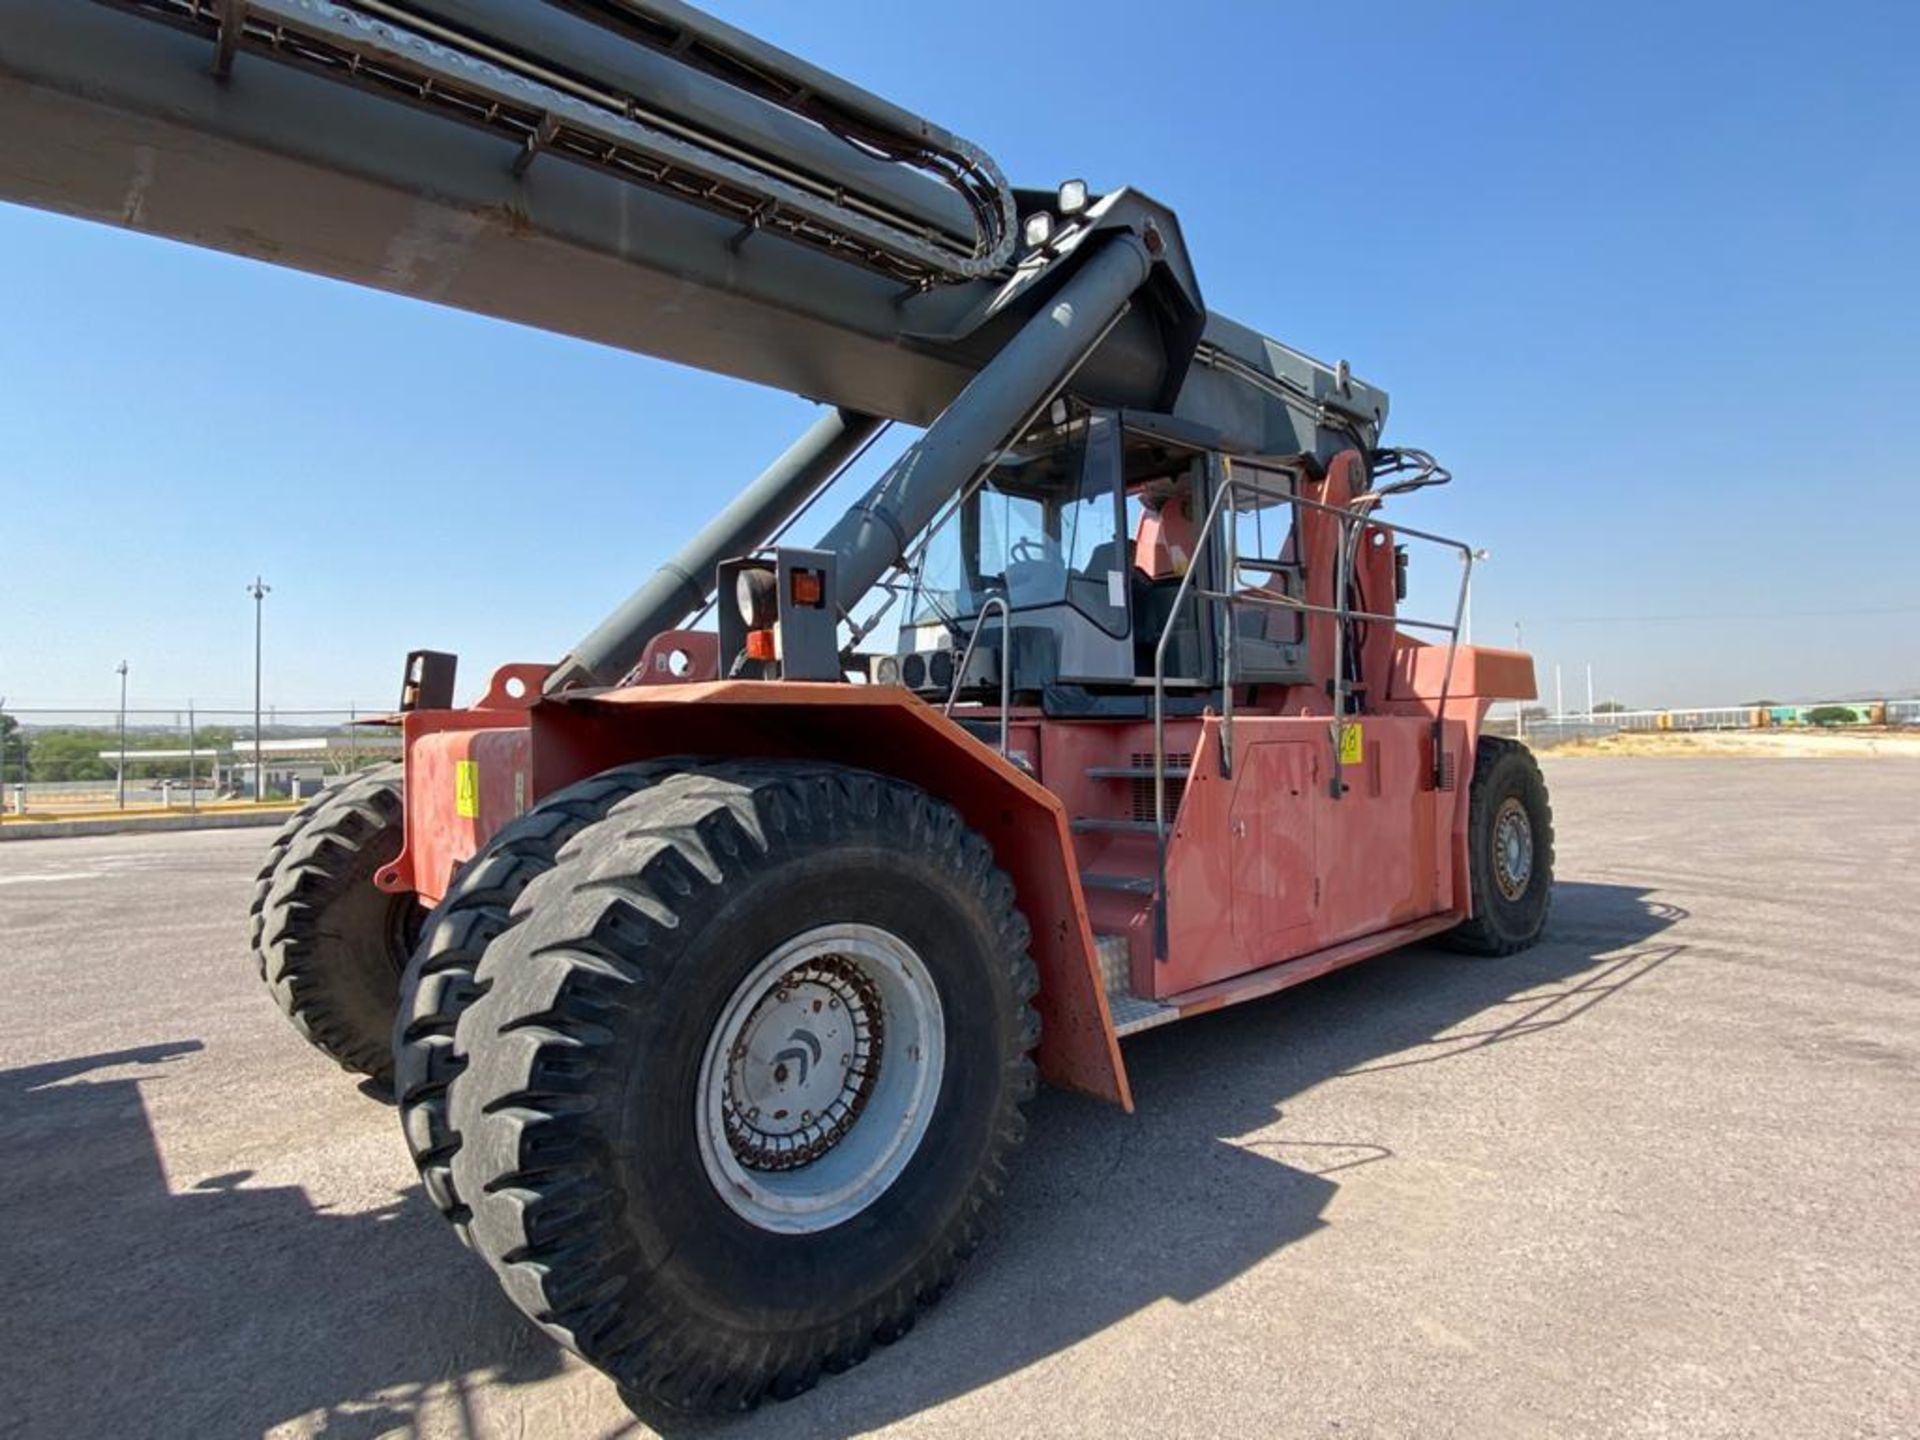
{"x":1027,"y":549}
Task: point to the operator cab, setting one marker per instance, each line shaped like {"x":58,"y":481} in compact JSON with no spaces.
{"x":1085,"y":531}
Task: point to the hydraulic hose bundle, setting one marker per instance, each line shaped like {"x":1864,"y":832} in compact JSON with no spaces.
{"x":686,"y":105}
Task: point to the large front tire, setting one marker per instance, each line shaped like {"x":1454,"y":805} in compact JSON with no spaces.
{"x":330,"y":946}
{"x":1509,"y":851}
{"x":440,"y":980}
{"x":727,"y":947}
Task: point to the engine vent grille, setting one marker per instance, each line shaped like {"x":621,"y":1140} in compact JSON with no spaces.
{"x":1177,"y":766}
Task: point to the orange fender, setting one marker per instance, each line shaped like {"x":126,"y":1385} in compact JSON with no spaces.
{"x":889,"y":730}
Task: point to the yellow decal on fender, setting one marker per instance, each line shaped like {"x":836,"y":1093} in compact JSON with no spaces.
{"x":466,"y":789}
{"x":1352,"y":751}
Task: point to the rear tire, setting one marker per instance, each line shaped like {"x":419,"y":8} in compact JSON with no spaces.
{"x":1509,"y":851}
{"x":638,"y":978}
{"x":329,"y":945}
{"x":440,"y":983}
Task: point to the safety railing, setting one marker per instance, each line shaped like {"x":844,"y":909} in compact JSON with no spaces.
{"x":1356,"y":518}
{"x":992,"y":603}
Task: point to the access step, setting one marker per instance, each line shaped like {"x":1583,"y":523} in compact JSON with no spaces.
{"x":1134,"y":772}
{"x":1124,"y":884}
{"x":1131,"y":1014}
{"x":1083,"y":824}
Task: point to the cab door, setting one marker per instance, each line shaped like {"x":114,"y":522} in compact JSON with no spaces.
{"x":1261,"y":565}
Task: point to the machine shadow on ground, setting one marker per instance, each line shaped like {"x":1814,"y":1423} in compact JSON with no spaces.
{"x":228,"y":1310}
{"x":222,"y":1309}
{"x":1109,"y":1213}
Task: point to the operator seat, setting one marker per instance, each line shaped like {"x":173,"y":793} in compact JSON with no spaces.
{"x":1089,"y":588}
{"x":1159,"y":565}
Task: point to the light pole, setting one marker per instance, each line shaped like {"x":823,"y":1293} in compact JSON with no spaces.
{"x":259,"y":590}
{"x":1479,"y":557}
{"x":1519,"y":706}
{"x":120,"y":786}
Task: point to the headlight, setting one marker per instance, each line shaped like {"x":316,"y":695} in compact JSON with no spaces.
{"x":913,"y":671}
{"x":886,"y":670}
{"x":756,"y":593}
{"x":940,"y":669}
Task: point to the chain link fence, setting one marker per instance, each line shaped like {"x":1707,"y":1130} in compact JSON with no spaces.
{"x":1542,"y":728}
{"x":71,"y":762}
{"x":57,"y":762}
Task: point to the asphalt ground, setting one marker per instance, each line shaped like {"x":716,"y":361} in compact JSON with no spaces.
{"x":1658,"y":1176}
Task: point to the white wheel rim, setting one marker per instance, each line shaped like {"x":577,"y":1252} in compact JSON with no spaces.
{"x":819,"y":1080}
{"x":1512,"y":849}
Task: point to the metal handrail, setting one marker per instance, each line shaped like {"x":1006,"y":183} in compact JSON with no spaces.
{"x":1355,"y":518}
{"x":987,"y":606}
{"x":1160,"y":722}
{"x":1160,"y":673}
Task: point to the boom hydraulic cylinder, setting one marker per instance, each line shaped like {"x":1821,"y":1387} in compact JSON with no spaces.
{"x":684,"y":584}
{"x":874,"y":534}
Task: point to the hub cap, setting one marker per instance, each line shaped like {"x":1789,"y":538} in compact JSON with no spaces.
{"x":1512,"y":849}
{"x":819,"y":1080}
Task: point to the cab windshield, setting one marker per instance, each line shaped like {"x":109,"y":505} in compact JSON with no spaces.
{"x":1042,"y":529}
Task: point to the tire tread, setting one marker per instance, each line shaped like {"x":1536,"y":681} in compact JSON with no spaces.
{"x":327,"y":848}
{"x":441,"y":980}
{"x":541,"y":1024}
{"x":1483,"y":935}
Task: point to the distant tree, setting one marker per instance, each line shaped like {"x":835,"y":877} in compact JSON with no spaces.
{"x":1833,"y":715}
{"x":1610,"y":707}
{"x":80,"y":753}
{"x":13,"y":748}
{"x":1761,"y":704}
{"x":61,"y":754}
{"x":71,"y":753}
{"x":154,"y":769}
{"x":1534,"y":713}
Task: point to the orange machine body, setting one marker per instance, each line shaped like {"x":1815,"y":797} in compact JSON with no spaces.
{"x":1293,"y":843}
{"x":1270,"y":878}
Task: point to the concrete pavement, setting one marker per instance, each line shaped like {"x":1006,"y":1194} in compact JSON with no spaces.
{"x":1656,"y":1177}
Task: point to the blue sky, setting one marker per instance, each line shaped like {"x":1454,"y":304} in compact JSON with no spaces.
{"x":1643,"y":276}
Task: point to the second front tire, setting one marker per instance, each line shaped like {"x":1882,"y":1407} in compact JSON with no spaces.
{"x":1509,"y":851}
{"x":746,"y":1077}
{"x":329,"y":943}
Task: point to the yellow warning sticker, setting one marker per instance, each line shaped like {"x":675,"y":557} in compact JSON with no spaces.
{"x":466,"y":789}
{"x":1352,"y":744}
